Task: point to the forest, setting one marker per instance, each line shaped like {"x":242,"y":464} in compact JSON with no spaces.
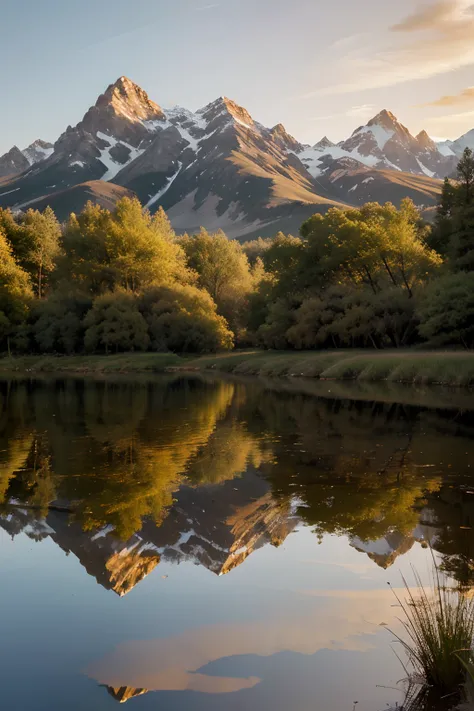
{"x":373,"y":277}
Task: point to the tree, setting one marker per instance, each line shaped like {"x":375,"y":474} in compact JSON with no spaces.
{"x":115,"y":323}
{"x":439,"y":238}
{"x":283,"y":260}
{"x":42,"y":236}
{"x":316,"y":319}
{"x":184,"y":319}
{"x":58,"y":322}
{"x":126,"y":249}
{"x":447,"y":311}
{"x":15,"y":292}
{"x":465,"y":174}
{"x":376,"y":245}
{"x":224,"y":271}
{"x":256,"y":248}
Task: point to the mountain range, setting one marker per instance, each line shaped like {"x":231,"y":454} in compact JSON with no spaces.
{"x":218,"y":167}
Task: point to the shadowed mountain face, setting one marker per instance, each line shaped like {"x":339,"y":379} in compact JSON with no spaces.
{"x":218,"y":167}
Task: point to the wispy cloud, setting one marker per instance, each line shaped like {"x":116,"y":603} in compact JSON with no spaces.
{"x":435,"y":39}
{"x":361,"y":111}
{"x":208,"y":7}
{"x":464,"y":97}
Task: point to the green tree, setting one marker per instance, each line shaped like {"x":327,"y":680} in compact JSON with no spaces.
{"x":462,"y":237}
{"x":115,"y":323}
{"x":440,"y":236}
{"x":58,"y":322}
{"x":447,"y":311}
{"x":127,"y":249}
{"x":256,"y":248}
{"x":15,"y":292}
{"x":184,"y":319}
{"x":465,"y":175}
{"x":224,"y":271}
{"x":42,"y":236}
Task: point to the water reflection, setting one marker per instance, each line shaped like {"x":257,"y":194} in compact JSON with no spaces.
{"x":123,"y":474}
{"x":134,"y":476}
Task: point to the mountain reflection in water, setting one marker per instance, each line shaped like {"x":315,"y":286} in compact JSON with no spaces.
{"x":130,"y":474}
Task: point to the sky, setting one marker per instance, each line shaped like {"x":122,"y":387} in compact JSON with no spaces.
{"x":319,"y":67}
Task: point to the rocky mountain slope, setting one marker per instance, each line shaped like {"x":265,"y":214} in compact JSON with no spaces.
{"x":218,"y":167}
{"x":16,"y":161}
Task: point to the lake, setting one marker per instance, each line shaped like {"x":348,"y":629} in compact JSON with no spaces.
{"x":200,"y":543}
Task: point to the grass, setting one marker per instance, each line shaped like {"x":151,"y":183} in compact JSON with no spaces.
{"x":413,"y":367}
{"x":439,"y":632}
{"x":121,"y":363}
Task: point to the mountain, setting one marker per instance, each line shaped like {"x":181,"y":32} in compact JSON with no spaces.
{"x":63,"y":202}
{"x":16,"y":161}
{"x":383,"y":143}
{"x":218,"y":167}
{"x":347,"y":179}
{"x":455,"y":148}
{"x":13,"y":162}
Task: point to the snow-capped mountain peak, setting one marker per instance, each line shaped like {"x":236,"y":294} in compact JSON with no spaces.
{"x":225,"y":108}
{"x":129,"y":101}
{"x":425,"y":142}
{"x":324,"y":143}
{"x":37,"y":151}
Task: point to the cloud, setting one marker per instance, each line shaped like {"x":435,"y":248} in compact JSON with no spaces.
{"x":464,"y":97}
{"x":364,"y":110}
{"x":427,"y":18}
{"x":433,"y":40}
{"x":331,"y":619}
{"x":207,"y":7}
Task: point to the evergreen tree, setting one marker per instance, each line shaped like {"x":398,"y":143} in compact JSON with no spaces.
{"x":462,"y":238}
{"x":439,"y":238}
{"x":465,"y":174}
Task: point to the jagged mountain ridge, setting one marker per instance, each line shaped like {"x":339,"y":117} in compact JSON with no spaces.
{"x":383,"y":143}
{"x":216,"y":167}
{"x":16,"y":161}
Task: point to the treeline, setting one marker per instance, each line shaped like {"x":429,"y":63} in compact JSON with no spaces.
{"x":376,"y":277}
{"x":120,"y":281}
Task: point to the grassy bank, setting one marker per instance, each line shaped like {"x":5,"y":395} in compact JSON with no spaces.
{"x":121,"y":363}
{"x":414,"y":367}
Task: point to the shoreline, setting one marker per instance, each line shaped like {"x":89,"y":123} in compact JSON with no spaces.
{"x":437,"y":368}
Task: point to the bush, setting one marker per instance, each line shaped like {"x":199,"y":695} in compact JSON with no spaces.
{"x":58,"y":323}
{"x":184,"y":319}
{"x":447,"y":311}
{"x":115,"y":323}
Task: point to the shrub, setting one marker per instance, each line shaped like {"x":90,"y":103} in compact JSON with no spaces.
{"x":447,"y":311}
{"x":115,"y":323}
{"x":58,"y":323}
{"x":184,"y":319}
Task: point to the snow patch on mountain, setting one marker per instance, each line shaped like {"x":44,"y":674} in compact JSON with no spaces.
{"x":37,"y":151}
{"x":165,"y":188}
{"x":380,"y":134}
{"x":111,"y":166}
{"x":426,"y":170}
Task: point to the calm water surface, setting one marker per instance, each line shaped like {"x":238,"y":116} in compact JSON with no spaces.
{"x":197,"y":544}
